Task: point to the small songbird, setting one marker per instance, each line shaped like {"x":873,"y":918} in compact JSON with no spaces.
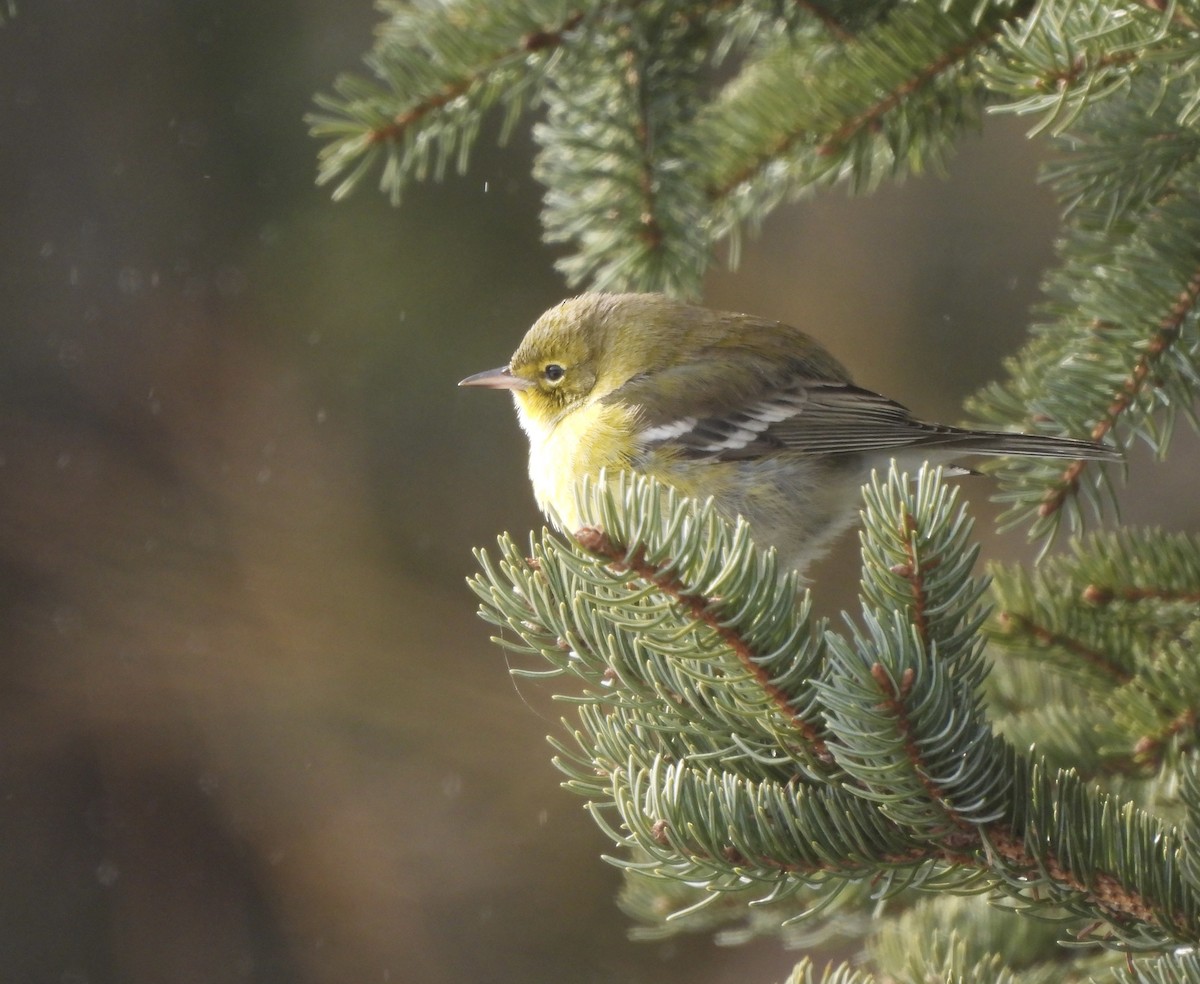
{"x":751,"y":412}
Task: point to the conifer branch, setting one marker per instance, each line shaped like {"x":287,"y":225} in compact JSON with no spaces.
{"x":1058,"y":78}
{"x":609,"y":155}
{"x":1064,"y":59}
{"x":869,"y":118}
{"x":651,"y":233}
{"x":538,"y":40}
{"x":999,"y":947}
{"x":895,"y":698}
{"x":662,"y":608}
{"x":1014,"y":623}
{"x":1120,"y":607}
{"x":910,"y":569}
{"x":1178,"y":15}
{"x":822,"y":125}
{"x":1126,"y":305}
{"x":1030,"y":856}
{"x":1101,"y":594}
{"x":1085,"y":602}
{"x":1166,"y":335}
{"x":1106,"y":893}
{"x":1149,"y":749}
{"x":806,"y":972}
{"x":1135,"y":889}
{"x":1177,"y":968}
{"x":1189,"y":795}
{"x":837,"y":30}
{"x":1140,"y":376}
{"x":702,"y":610}
{"x":431,"y":83}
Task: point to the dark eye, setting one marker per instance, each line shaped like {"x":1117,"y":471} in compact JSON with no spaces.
{"x":554,"y":372}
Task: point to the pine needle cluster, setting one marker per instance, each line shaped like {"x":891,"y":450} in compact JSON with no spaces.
{"x":760,"y":771}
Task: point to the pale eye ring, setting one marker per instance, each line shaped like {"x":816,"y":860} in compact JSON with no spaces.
{"x":554,"y":372}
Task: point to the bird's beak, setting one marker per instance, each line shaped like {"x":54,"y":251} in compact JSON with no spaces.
{"x":496,"y":379}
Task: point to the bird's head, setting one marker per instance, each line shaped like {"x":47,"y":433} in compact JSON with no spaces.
{"x":583,"y":349}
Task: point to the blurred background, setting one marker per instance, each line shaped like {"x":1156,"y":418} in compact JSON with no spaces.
{"x":250,"y":727}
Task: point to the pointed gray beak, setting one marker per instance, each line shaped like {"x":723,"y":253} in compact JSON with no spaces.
{"x":496,"y":379}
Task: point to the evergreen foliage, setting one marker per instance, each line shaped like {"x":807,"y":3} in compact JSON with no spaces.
{"x":973,"y":773}
{"x":734,"y":746}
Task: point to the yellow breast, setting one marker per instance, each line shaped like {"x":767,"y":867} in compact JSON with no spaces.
{"x":562,"y":452}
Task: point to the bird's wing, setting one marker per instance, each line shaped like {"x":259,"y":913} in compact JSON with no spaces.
{"x":805,"y":415}
{"x":800,"y":405}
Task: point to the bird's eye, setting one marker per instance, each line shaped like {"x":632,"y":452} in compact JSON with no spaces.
{"x":554,"y":372}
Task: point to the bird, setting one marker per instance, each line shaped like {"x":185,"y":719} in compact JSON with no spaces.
{"x":749,"y":412}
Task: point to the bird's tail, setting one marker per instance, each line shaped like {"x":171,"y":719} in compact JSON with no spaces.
{"x":1033,"y":446}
